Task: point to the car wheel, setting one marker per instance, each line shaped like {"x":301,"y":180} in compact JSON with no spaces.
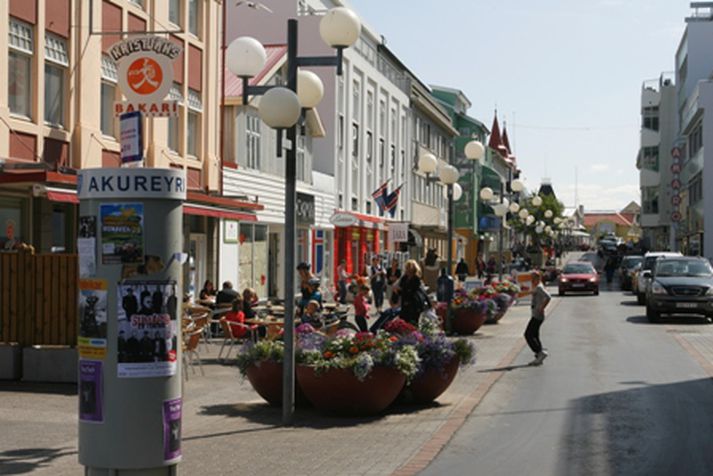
{"x":640,"y":298}
{"x":596,"y":292}
{"x":561,"y":293}
{"x":652,"y":315}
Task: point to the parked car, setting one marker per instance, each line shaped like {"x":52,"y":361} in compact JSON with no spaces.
{"x":644,"y":278}
{"x":627,"y":264}
{"x":634,"y":276}
{"x":578,"y":276}
{"x":680,"y":285}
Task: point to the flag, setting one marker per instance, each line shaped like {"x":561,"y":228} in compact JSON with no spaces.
{"x":392,"y":199}
{"x":381,"y":194}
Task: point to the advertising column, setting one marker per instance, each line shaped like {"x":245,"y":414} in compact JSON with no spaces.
{"x":130,"y":254}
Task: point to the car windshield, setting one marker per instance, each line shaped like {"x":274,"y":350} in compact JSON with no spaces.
{"x":630,"y":263}
{"x":692,"y":268}
{"x":578,"y":269}
{"x":649,"y":262}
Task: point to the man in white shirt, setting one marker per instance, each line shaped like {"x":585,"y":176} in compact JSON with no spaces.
{"x":343,"y":279}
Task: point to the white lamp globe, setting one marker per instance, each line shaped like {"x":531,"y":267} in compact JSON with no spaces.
{"x":539,"y":229}
{"x":517,"y":185}
{"x":500,"y":210}
{"x":448,"y":174}
{"x":524,"y":213}
{"x":530,"y":220}
{"x":340,"y":27}
{"x":558,"y":220}
{"x":474,"y":150}
{"x":514,"y":207}
{"x":245,"y":57}
{"x":486,"y":194}
{"x":427,"y":163}
{"x":457,"y":192}
{"x":548,"y":213}
{"x":280,"y":108}
{"x":536,"y":201}
{"x":548,"y":229}
{"x":310,"y":89}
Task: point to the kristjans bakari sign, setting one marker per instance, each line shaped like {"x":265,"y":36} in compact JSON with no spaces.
{"x":145,"y":69}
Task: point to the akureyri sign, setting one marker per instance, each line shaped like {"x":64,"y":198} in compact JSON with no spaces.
{"x":145,"y":69}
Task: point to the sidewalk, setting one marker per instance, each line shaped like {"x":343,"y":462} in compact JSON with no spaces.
{"x":228,"y":429}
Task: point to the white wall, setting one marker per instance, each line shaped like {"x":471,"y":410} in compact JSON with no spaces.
{"x":228,"y":254}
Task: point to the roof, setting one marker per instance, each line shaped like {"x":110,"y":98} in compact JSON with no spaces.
{"x":592,"y":219}
{"x":276,"y":55}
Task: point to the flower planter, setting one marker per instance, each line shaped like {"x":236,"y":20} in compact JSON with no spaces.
{"x":429,"y":385}
{"x":266,"y":379}
{"x":467,"y":321}
{"x":500,"y":312}
{"x":339,"y":391}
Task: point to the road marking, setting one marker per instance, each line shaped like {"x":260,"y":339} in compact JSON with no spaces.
{"x":425,"y":455}
{"x":695,"y":353}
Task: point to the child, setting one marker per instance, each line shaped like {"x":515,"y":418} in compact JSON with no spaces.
{"x":311,"y":315}
{"x":388,"y":315}
{"x":540,"y":299}
{"x":361,"y":308}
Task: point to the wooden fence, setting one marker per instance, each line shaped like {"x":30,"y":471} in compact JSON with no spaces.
{"x":38,"y":298}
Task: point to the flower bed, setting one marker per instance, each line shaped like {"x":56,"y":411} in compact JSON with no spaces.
{"x":468,"y":312}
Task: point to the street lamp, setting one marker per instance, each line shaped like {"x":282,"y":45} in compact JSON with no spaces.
{"x":536,"y":201}
{"x":281,"y":108}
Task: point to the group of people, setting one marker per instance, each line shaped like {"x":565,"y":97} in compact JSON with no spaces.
{"x":242,"y":305}
{"x":147,"y":348}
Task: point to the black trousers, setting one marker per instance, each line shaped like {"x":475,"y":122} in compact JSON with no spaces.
{"x":532,"y":335}
{"x":361,"y":323}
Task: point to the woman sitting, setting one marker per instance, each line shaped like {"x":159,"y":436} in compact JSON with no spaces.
{"x":236,"y":320}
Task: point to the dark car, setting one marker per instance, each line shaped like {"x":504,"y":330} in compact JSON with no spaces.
{"x":578,"y":277}
{"x":681,"y":285}
{"x":628,"y":263}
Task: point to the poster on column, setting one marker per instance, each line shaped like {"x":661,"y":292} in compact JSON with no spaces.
{"x":172,"y":410}
{"x":91,"y":342}
{"x":90,"y":391}
{"x":147,"y":329}
{"x":122,"y":233}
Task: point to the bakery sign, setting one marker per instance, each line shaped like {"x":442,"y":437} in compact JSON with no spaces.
{"x":145,"y":71}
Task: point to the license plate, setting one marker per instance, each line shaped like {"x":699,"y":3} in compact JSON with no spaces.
{"x":686,"y":305}
{"x":578,"y":285}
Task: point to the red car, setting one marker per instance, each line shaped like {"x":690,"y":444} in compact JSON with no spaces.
{"x":578,"y":277}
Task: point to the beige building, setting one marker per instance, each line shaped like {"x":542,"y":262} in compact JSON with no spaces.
{"x":56,"y":115}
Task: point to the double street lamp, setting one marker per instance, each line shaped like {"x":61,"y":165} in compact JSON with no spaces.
{"x":281,"y":108}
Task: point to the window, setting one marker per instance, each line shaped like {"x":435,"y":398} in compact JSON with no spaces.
{"x":355,"y":141}
{"x":370,"y":110}
{"x":108,"y":96}
{"x":195,"y":107}
{"x":392,"y":162}
{"x":382,"y":154}
{"x":650,"y":199}
{"x":382,"y":118}
{"x":57,"y":61}
{"x":651,"y":158}
{"x":695,"y":141}
{"x":355,"y":205}
{"x":138,"y":2}
{"x":356,"y":100}
{"x":695,"y":189}
{"x":651,"y":118}
{"x":174,"y":94}
{"x":403,"y":165}
{"x":301,"y":165}
{"x":194,"y":13}
{"x":252,"y":130}
{"x":20,"y":53}
{"x":340,"y":132}
{"x":369,"y":148}
{"x":174,"y":12}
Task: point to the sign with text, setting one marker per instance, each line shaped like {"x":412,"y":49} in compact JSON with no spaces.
{"x":398,"y":232}
{"x":132,"y":139}
{"x":151,"y":183}
{"x":305,"y":209}
{"x":145,"y":71}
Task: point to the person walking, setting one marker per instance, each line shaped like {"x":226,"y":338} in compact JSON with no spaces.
{"x":361,"y":308}
{"x":540,"y":300}
{"x":343,"y":279}
{"x":410,"y":289}
{"x":393,"y":274}
{"x":462,"y":270}
{"x":378,"y":282}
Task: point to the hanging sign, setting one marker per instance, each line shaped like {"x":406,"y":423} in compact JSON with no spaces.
{"x":343,"y":219}
{"x":145,"y":70}
{"x":132,"y":138}
{"x":398,"y":232}
{"x":676,"y":184}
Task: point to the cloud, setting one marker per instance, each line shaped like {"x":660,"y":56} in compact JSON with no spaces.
{"x":597,"y":196}
{"x":599,"y":167}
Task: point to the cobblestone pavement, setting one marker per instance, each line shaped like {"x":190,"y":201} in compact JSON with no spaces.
{"x":228,"y":429}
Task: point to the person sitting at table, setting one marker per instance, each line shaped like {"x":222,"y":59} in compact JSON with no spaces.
{"x":311,"y":294}
{"x":311,"y":315}
{"x":208,"y":292}
{"x":236,"y":319}
{"x":249,"y":301}
{"x":226,"y":295}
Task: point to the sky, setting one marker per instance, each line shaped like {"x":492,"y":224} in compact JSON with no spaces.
{"x":565,"y":75}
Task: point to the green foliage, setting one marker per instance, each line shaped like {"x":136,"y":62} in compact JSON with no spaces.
{"x":254,"y":353}
{"x":549,"y":202}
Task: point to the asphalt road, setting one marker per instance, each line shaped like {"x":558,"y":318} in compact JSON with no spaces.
{"x":617,"y":396}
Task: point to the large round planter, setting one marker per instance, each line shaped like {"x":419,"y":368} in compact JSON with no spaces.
{"x":431,"y":384}
{"x":266,"y":379}
{"x":467,"y":321}
{"x":499,"y":313}
{"x":339,"y":391}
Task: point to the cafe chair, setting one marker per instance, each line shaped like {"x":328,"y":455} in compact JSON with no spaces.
{"x":190,"y":351}
{"x":229,"y":338}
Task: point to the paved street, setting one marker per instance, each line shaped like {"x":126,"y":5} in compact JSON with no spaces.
{"x":617,"y":396}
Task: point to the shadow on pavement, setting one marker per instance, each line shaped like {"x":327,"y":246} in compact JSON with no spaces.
{"x":32,"y":387}
{"x":629,"y":303}
{"x":649,"y":429}
{"x":28,"y":460}
{"x":693,"y":320}
{"x":506,"y":369}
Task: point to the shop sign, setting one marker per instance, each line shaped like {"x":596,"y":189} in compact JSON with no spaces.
{"x":154,"y":183}
{"x":145,"y":70}
{"x":132,"y":138}
{"x":676,"y":184}
{"x":343,"y":219}
{"x":305,"y":209}
{"x":398,"y":232}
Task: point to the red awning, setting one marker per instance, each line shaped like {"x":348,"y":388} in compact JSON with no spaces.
{"x":63,"y":197}
{"x":217,"y":213}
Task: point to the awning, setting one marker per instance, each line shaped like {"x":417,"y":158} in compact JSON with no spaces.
{"x":490,"y":178}
{"x":63,"y":197}
{"x":216,"y":212}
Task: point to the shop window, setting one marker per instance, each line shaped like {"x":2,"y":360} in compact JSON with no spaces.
{"x":12,"y":226}
{"x":253,"y":258}
{"x":21,"y":49}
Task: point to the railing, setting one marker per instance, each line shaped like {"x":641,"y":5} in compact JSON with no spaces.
{"x":38,"y":298}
